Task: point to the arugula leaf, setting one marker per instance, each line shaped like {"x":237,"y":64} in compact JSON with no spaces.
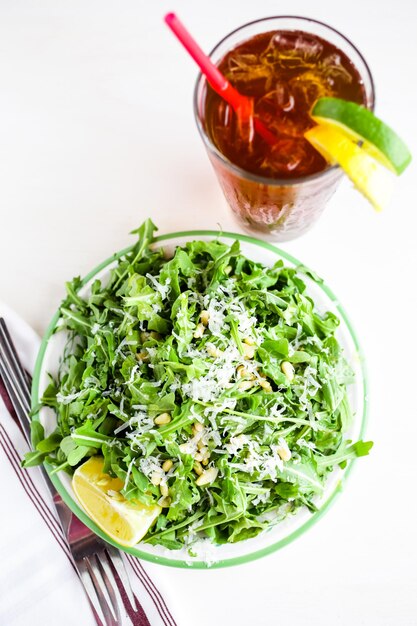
{"x":346,"y":452}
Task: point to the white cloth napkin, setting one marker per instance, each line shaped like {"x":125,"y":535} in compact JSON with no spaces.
{"x":38,"y":584}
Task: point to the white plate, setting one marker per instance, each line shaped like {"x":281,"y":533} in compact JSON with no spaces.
{"x":284,"y":532}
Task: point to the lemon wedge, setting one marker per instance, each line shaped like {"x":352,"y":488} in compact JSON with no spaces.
{"x":126,"y":522}
{"x":369,"y":177}
{"x":360,"y":124}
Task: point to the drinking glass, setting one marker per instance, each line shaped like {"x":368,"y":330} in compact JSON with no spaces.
{"x":277,"y":209}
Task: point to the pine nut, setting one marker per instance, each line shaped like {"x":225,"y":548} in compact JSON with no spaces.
{"x":242,"y":371}
{"x":162,"y":419}
{"x":156,"y":478}
{"x":204,"y":317}
{"x":199,"y":331}
{"x":244,"y":385}
{"x":266,"y":385}
{"x":249,"y":341}
{"x":197,"y":432}
{"x":208,"y":476}
{"x":164,"y":490}
{"x":288,"y":369}
{"x":212,"y":350}
{"x":283,"y":450}
{"x":197,"y":468}
{"x":166,"y":465}
{"x":248,"y":351}
{"x":184,"y":448}
{"x":202,"y":454}
{"x":205,"y":461}
{"x":198,"y":427}
{"x":164,"y":502}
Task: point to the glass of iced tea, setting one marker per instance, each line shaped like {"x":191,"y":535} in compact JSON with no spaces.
{"x":285,"y":64}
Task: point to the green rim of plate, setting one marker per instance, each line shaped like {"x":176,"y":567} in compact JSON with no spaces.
{"x":257,"y":553}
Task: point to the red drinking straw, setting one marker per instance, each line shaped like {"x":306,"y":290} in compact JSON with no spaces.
{"x":242,"y":105}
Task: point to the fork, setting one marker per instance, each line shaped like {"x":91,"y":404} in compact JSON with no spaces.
{"x":99,"y":565}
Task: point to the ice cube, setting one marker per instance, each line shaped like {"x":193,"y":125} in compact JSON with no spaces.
{"x":292,"y":50}
{"x":277,"y":110}
{"x":249,"y":72}
{"x":279,"y":99}
{"x":285,"y":156}
{"x":292,"y":156}
{"x":279,"y":48}
{"x":233,"y":128}
{"x":284,"y":97}
{"x":238,"y":63}
{"x":308,"y":48}
{"x":333,"y":69}
{"x":310,"y":86}
{"x":283,"y":41}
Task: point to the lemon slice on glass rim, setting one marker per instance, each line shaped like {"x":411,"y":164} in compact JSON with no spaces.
{"x":123,"y":520}
{"x":368,"y":176}
{"x":365,"y":147}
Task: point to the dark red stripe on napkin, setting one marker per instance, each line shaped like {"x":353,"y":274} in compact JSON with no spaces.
{"x":5,"y":397}
{"x":31,"y":490}
{"x":149,"y":585}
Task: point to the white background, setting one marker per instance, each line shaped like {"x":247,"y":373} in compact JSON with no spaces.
{"x":97,"y":133}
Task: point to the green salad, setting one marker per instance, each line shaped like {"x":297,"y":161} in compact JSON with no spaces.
{"x":210,"y":384}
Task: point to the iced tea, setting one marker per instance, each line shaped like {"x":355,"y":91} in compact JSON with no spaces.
{"x":284,"y":72}
{"x":280,"y":189}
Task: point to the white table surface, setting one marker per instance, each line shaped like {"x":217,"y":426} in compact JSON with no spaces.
{"x":97,"y":133}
